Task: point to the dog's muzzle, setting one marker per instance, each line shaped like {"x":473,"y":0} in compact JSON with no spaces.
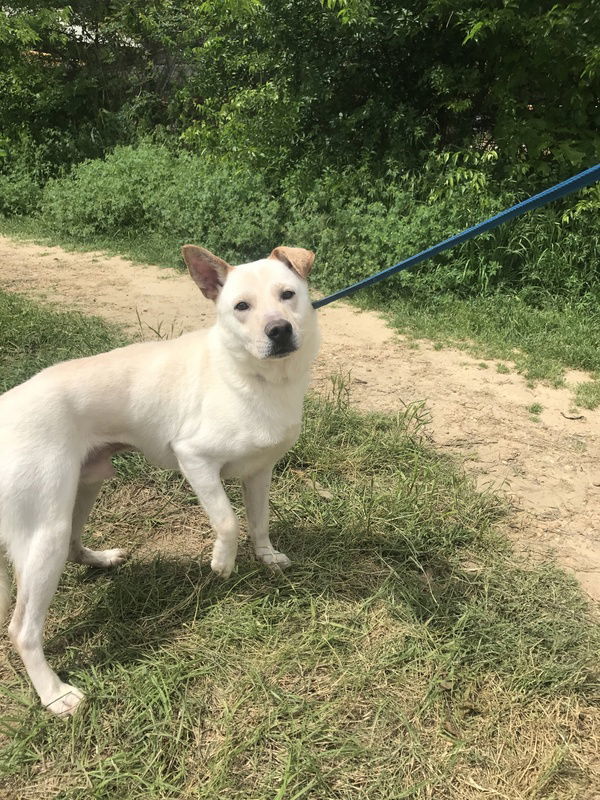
{"x":281,"y":335}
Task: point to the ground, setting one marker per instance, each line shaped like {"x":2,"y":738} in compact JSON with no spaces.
{"x":527,"y":441}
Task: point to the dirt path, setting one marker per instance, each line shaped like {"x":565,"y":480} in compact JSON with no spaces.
{"x":549,"y":467}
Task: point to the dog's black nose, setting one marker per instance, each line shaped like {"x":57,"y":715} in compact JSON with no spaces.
{"x":279,"y":331}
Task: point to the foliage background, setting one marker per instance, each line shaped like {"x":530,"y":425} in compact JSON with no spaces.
{"x":365,"y":130}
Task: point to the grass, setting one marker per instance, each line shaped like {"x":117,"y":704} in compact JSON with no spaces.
{"x":587,"y":394}
{"x":541,"y":342}
{"x":405,"y":654}
{"x":143,"y":248}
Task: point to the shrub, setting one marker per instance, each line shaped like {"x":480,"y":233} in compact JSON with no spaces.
{"x":149,"y":189}
{"x":360,"y":225}
{"x":357,"y":223}
{"x":19,"y":193}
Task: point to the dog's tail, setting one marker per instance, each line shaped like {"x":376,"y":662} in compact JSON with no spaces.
{"x":5,"y":586}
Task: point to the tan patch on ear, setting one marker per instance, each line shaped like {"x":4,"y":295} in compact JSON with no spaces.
{"x":296,"y":258}
{"x":208,"y":271}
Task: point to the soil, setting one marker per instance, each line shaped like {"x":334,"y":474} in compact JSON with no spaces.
{"x":546,"y":464}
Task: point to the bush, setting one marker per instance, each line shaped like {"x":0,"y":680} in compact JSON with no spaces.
{"x":358,"y":224}
{"x":27,"y":165}
{"x":22,"y":171}
{"x":19,"y":193}
{"x":149,"y":189}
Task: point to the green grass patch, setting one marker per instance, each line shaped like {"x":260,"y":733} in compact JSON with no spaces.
{"x":145,"y":248}
{"x":540,"y":341}
{"x":403,"y":655}
{"x":587,"y":394}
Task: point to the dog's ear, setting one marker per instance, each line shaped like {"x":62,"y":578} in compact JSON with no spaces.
{"x":209,"y":271}
{"x":296,"y":258}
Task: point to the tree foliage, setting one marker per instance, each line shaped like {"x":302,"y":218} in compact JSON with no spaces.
{"x":277,"y":83}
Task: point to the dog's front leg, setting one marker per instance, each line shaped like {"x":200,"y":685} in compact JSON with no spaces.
{"x":204,"y":478}
{"x":256,"y":499}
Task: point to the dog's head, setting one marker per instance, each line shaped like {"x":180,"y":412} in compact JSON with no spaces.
{"x":263,"y":305}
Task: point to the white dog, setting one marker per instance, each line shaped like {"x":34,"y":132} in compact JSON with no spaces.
{"x":217,"y":403}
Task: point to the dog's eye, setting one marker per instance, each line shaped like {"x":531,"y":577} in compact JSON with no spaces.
{"x":241,"y":306}
{"x":287,"y":295}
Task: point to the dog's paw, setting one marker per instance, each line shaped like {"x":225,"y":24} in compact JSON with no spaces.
{"x":66,"y":702}
{"x":222,"y":565}
{"x":114,"y":558}
{"x":272,"y":557}
{"x":102,"y":558}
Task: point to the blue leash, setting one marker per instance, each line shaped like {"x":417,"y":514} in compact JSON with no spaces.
{"x":586,"y":178}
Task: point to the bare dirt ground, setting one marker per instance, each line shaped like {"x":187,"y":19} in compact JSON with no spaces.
{"x":548,"y":468}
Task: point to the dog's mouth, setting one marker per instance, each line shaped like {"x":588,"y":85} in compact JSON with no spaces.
{"x":282,"y":352}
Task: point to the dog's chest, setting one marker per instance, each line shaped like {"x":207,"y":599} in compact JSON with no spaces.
{"x":259,"y":437}
{"x":254,"y":461}
{"x":252,"y":453}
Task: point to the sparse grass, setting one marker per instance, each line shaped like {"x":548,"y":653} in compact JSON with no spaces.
{"x":535,"y":408}
{"x":587,"y":394}
{"x":143,"y":248}
{"x":403,"y":655}
{"x":540,"y":341}
{"x":502,"y":369}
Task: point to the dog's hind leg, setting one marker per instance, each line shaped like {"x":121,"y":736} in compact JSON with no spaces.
{"x":4,"y":587}
{"x":256,"y":500}
{"x":38,"y":571}
{"x":86,"y":495}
